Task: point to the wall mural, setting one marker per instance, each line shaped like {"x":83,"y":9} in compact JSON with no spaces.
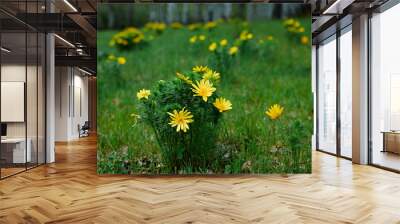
{"x":204,"y":89}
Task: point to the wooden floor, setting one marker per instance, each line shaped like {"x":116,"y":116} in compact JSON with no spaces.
{"x":69,"y":191}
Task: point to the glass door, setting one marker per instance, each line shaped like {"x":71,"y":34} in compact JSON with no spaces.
{"x":346,"y":92}
{"x":385,"y":89}
{"x":327,"y":95}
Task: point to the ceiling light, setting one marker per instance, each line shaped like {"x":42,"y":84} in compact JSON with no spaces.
{"x":84,"y":71}
{"x":5,"y":50}
{"x":65,"y":41}
{"x":70,"y":5}
{"x":338,"y":6}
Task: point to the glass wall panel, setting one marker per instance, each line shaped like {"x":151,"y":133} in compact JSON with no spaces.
{"x":385,"y":89}
{"x":13,"y":94}
{"x":346,"y":93}
{"x":327,"y":95}
{"x":22,"y":67}
{"x":31,"y":97}
{"x":41,"y":99}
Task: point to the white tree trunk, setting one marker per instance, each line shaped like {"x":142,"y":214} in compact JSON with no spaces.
{"x":185,"y":8}
{"x":228,"y":10}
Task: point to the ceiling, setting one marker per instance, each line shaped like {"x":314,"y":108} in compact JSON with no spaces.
{"x":74,"y":22}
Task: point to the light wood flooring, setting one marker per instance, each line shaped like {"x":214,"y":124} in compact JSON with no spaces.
{"x":70,"y":191}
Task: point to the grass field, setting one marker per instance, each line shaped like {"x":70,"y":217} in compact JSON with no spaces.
{"x":248,"y":141}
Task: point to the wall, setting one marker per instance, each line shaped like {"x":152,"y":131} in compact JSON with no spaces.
{"x":71,"y":102}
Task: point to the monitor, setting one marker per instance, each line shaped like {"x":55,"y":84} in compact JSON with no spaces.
{"x":3,"y":129}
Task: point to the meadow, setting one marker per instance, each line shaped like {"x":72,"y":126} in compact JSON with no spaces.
{"x":276,"y":69}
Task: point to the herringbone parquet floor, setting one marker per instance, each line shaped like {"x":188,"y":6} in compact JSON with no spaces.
{"x":69,"y":191}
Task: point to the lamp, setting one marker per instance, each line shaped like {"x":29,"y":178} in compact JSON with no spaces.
{"x":5,"y":50}
{"x":70,"y":5}
{"x":65,"y":41}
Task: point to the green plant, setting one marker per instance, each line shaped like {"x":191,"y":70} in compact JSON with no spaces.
{"x":184,"y":114}
{"x":222,"y":55}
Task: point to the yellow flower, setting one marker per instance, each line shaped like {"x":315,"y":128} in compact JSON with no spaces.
{"x":202,"y":37}
{"x":243,"y":35}
{"x":180,"y":119}
{"x":304,"y":40}
{"x":193,"y":39}
{"x":269,"y":37}
{"x":274,"y":112}
{"x":212,"y":47}
{"x":204,"y":88}
{"x":143,"y":93}
{"x":211,"y":75}
{"x":301,"y":30}
{"x":222,"y":104}
{"x":184,"y":78}
{"x":200,"y":69}
{"x":233,"y":50}
{"x":121,"y":60}
{"x":223,"y":42}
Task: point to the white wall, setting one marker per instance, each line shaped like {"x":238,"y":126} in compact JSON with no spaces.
{"x":71,"y":94}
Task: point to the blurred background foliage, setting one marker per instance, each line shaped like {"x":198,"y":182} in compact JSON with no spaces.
{"x":118,"y":16}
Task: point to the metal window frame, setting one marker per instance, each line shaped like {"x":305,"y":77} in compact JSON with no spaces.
{"x":339,"y":32}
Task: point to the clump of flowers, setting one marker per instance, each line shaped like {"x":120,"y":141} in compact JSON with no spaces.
{"x":194,"y":26}
{"x":157,"y":27}
{"x":119,"y":60}
{"x":197,"y":39}
{"x":245,"y":41}
{"x":184,"y":113}
{"x":295,"y":30}
{"x":176,"y":25}
{"x":222,"y":54}
{"x":245,"y":35}
{"x":210,"y":25}
{"x":128,"y":38}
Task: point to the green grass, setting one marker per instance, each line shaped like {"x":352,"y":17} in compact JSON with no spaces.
{"x":254,"y":82}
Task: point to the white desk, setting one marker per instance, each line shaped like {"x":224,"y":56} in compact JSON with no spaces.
{"x":19,"y":155}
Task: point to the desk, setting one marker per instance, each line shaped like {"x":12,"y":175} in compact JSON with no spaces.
{"x":391,"y":141}
{"x":15,"y":148}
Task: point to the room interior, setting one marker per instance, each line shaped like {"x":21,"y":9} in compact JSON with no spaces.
{"x":29,"y":59}
{"x":67,"y":188}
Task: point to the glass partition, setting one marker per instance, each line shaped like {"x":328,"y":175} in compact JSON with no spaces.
{"x":22,"y":88}
{"x":13,"y":94}
{"x":327,"y":95}
{"x":346,"y":92}
{"x":385,"y":89}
